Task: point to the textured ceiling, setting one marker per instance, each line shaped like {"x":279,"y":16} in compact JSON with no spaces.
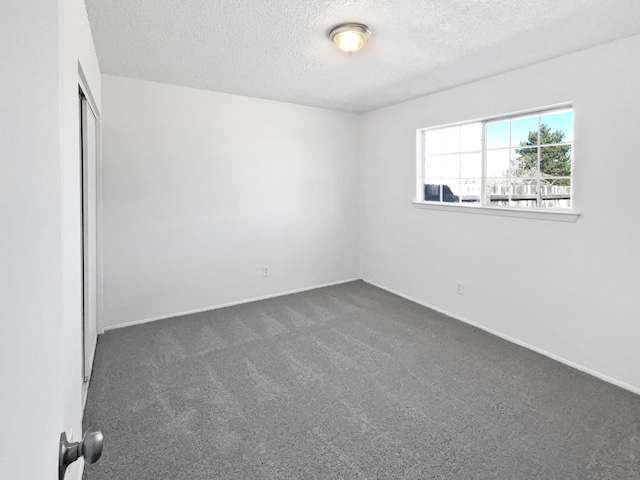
{"x":279,"y":49}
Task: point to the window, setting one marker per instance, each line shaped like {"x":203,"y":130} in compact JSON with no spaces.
{"x":518,"y":161}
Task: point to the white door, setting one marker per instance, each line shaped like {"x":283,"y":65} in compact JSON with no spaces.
{"x":31,"y":282}
{"x":88,"y":150}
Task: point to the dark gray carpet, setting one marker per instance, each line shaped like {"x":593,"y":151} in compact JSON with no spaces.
{"x":348,"y":382}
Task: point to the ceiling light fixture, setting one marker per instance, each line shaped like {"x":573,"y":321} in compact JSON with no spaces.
{"x":350,"y":37}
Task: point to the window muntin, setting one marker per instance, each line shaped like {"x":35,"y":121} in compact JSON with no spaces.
{"x":519,"y":161}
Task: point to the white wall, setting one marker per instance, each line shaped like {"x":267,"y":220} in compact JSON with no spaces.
{"x":569,"y":289}
{"x":201,"y":189}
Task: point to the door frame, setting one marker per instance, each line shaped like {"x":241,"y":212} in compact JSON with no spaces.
{"x":85,"y":90}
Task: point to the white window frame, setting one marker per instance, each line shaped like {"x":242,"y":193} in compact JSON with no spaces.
{"x":565,"y":214}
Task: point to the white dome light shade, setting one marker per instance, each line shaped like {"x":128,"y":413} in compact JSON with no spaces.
{"x":350,"y":37}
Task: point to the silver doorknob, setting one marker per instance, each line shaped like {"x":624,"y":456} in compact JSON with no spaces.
{"x":90,"y":448}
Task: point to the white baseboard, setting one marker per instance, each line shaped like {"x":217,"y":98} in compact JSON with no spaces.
{"x":224,"y":305}
{"x":550,"y":355}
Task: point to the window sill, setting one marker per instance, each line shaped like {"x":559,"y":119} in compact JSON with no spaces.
{"x":553,"y":215}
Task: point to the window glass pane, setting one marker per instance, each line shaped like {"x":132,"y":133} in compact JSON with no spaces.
{"x":524,"y":162}
{"x":561,"y":122}
{"x":432,"y":168}
{"x":524,"y":193}
{"x":471,"y":137}
{"x":432,"y":192}
{"x":498,"y":134}
{"x":524,"y":131}
{"x":498,"y":163}
{"x":470,"y":189}
{"x":513,"y":161}
{"x":451,"y":139}
{"x":451,"y":190}
{"x":450,"y":166}
{"x":433,"y":142}
{"x":497,"y":192}
{"x":471,"y":165}
{"x":556,"y":193}
{"x":555,"y":161}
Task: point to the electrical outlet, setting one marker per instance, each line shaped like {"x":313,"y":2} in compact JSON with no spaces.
{"x":460,"y":288}
{"x":265,"y":270}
